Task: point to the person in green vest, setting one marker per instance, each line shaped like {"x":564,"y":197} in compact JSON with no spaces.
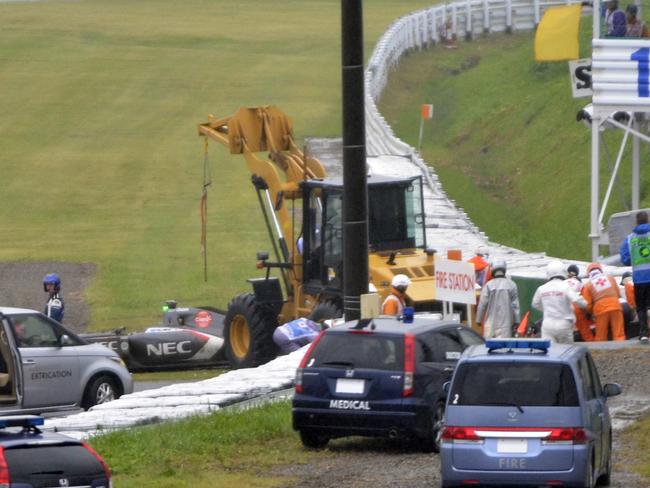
{"x":635,"y":251}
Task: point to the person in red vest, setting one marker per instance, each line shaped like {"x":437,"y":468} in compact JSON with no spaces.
{"x":602,"y":295}
{"x":481,"y":265}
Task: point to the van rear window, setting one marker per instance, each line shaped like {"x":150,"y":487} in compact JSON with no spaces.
{"x":359,"y":351}
{"x":51,"y":463}
{"x":524,"y":384}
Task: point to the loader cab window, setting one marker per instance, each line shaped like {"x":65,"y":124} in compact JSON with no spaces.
{"x":396,"y":215}
{"x":333,"y":240}
{"x":313,"y":227}
{"x":323,"y":228}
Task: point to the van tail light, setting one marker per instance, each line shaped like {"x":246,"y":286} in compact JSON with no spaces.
{"x":409,"y":364}
{"x":461,"y":435}
{"x":107,"y":470}
{"x":550,"y":435}
{"x":303,"y":362}
{"x":5,"y":479}
{"x":566,"y":435}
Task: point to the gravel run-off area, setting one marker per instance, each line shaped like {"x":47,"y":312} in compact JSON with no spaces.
{"x":21,"y":285}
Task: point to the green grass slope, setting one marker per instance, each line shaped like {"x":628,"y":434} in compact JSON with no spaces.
{"x":99,"y":153}
{"x":504,"y":139}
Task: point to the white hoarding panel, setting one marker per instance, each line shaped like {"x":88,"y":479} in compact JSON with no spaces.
{"x":455,"y":281}
{"x":620,"y":75}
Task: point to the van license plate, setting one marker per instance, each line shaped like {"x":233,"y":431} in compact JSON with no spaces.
{"x":346,"y":385}
{"x":519,"y":446}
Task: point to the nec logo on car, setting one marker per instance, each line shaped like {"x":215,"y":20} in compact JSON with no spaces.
{"x":349,"y":404}
{"x":169,"y":348}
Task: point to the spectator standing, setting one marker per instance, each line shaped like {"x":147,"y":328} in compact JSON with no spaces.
{"x":498,"y":307}
{"x":481,"y":265}
{"x":555,"y":299}
{"x":635,"y":250}
{"x":583,"y":322}
{"x":602,"y":294}
{"x":615,"y":21}
{"x":635,"y":27}
{"x":54,"y":308}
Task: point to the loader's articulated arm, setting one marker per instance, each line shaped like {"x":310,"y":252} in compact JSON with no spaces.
{"x":276,"y":178}
{"x":253,"y":130}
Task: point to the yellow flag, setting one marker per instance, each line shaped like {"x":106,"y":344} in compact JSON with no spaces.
{"x":556,"y":38}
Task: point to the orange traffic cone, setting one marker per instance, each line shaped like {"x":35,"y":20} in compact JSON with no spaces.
{"x":523,"y":326}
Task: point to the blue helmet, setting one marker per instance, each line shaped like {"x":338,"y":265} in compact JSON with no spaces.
{"x":52,"y":278}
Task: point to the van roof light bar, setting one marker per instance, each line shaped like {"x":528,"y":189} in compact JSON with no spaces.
{"x":511,"y":344}
{"x":21,"y":421}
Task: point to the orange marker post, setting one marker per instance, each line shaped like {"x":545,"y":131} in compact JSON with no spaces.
{"x":426,"y":112}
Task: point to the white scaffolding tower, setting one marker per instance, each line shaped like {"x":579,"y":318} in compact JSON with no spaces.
{"x":621,"y":99}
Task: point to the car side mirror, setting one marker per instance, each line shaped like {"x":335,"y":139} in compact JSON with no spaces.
{"x":446,"y":386}
{"x":611,"y":389}
{"x":64,"y":340}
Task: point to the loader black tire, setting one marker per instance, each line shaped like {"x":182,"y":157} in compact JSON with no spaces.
{"x":248,"y":332}
{"x":327,"y":309}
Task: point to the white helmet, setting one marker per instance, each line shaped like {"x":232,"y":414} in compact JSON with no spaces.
{"x":400,"y":281}
{"x":498,"y":263}
{"x":482,"y":250}
{"x":555,"y":269}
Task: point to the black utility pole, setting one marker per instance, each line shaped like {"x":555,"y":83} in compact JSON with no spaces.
{"x":355,"y":188}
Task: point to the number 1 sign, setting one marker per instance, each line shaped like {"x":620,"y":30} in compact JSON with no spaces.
{"x":621,"y":75}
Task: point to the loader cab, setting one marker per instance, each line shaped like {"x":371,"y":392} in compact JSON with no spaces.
{"x":395,"y":221}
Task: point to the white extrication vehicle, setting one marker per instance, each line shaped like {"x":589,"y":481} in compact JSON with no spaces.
{"x":46,"y":367}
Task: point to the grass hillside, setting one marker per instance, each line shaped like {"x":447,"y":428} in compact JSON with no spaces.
{"x":504,"y":139}
{"x":99,"y":153}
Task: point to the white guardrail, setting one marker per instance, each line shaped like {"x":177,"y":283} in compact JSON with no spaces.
{"x":427,"y":27}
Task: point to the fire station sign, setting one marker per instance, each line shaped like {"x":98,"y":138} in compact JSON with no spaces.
{"x":455,"y":281}
{"x":620,"y":75}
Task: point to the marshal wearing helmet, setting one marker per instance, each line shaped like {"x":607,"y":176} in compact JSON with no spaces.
{"x":54,"y":308}
{"x":498,"y":307}
{"x":395,"y":302}
{"x":556,"y":299}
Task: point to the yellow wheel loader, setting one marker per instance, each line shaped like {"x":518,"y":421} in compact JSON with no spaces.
{"x":303,"y":209}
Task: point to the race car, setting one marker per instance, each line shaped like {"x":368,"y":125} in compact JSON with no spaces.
{"x":187,"y":338}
